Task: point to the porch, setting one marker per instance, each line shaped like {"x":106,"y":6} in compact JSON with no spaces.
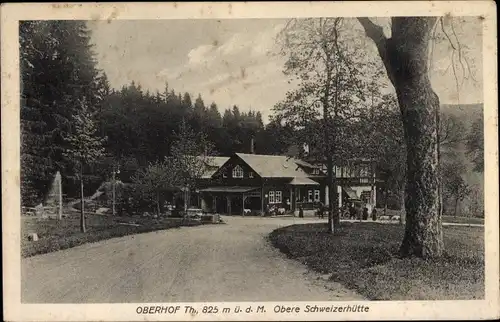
{"x":305,"y":193}
{"x":235,"y":200}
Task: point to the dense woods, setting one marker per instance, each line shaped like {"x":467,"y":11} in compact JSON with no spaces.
{"x":139,"y":129}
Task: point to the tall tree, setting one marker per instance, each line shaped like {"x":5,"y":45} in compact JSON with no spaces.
{"x":455,"y":188}
{"x":380,"y":135}
{"x":186,"y":101}
{"x":188,"y":156}
{"x":57,"y":71}
{"x":86,"y":147}
{"x":405,"y":57}
{"x":153,"y":180}
{"x":331,"y":88}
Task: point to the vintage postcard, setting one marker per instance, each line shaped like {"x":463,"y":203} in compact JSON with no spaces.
{"x":250,"y":161}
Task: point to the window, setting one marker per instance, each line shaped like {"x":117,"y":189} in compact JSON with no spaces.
{"x":224,"y":174}
{"x":316,"y":171}
{"x":250,"y":174}
{"x":316,"y":195}
{"x":275,"y":197}
{"x":237,"y":172}
{"x":310,"y":195}
{"x":364,"y":171}
{"x":364,"y":180}
{"x":279,"y":196}
{"x":271,"y":197}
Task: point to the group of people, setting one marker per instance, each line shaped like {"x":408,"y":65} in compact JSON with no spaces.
{"x":355,"y":211}
{"x":351,"y":210}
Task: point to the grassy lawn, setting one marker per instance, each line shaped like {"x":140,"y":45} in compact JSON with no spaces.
{"x":61,"y":234}
{"x":463,"y":220}
{"x":363,"y":257}
{"x":446,"y":219}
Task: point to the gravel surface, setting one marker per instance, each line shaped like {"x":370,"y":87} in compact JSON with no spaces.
{"x":227,"y":262}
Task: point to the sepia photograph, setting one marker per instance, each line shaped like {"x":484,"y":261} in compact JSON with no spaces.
{"x":305,"y":166}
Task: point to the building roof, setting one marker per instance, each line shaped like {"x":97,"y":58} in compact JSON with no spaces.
{"x":273,"y":166}
{"x":306,"y":164}
{"x":303,"y":181}
{"x":236,"y":189}
{"x":213,"y":163}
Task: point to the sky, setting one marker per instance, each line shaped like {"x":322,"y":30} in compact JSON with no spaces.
{"x":237,"y":61}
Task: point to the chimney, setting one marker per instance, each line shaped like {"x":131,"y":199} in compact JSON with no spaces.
{"x":252,"y":147}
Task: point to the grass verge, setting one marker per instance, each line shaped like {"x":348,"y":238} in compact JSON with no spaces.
{"x":56,"y":234}
{"x":463,"y":220}
{"x":363,"y":257}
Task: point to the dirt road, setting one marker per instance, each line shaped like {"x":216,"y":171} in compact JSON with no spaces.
{"x":228,"y":262}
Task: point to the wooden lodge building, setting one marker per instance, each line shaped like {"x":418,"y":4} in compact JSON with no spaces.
{"x":255,"y":184}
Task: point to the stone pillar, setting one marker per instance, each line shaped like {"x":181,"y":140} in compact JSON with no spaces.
{"x":339,"y":193}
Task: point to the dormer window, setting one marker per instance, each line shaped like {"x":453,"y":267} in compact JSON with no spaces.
{"x":237,"y":172}
{"x":315,"y":171}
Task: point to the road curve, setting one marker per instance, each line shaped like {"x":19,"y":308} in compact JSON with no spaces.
{"x":227,"y":262}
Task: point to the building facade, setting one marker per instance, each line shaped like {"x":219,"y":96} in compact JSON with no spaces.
{"x":258,"y":184}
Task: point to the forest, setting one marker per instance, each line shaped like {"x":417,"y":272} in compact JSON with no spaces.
{"x":68,"y":106}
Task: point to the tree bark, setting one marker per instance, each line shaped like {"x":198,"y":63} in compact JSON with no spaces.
{"x":82,"y":203}
{"x":405,"y":56}
{"x":328,"y":151}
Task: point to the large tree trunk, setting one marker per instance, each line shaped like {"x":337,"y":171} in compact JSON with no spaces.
{"x":405,"y":56}
{"x":332,"y":187}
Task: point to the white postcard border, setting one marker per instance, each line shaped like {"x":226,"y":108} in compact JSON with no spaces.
{"x":14,"y":310}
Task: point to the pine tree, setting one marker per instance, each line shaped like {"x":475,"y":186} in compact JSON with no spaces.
{"x":57,"y":70}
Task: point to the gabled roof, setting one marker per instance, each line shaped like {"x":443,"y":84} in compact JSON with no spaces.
{"x":273,"y":166}
{"x":306,"y":164}
{"x":212,"y":165}
{"x":303,"y":181}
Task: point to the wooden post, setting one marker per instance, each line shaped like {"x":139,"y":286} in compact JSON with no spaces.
{"x":82,"y":203}
{"x":243,"y":204}
{"x":114,"y":190}
{"x":228,"y":199}
{"x":262,"y":199}
{"x":60,"y":198}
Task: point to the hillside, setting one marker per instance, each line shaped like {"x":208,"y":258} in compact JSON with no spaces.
{"x":467,"y":113}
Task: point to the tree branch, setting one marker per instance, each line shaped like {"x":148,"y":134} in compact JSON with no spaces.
{"x":376,"y":33}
